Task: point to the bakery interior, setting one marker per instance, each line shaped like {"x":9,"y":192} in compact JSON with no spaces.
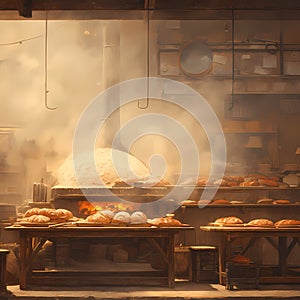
{"x":156,"y":228}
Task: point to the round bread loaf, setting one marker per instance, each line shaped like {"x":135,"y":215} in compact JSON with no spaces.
{"x":221,"y":201}
{"x":165,"y":222}
{"x":32,"y":211}
{"x":62,"y":213}
{"x":265,"y":201}
{"x":138,"y":217}
{"x":287,"y":222}
{"x":98,"y":218}
{"x":50,"y":213}
{"x":229,"y":220}
{"x":108,"y":213}
{"x":38,"y":219}
{"x":261,"y":222}
{"x":121,"y":217}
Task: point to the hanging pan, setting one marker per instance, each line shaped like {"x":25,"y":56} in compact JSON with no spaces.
{"x":195,"y":59}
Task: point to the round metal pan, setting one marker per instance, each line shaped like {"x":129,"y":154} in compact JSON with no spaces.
{"x":195,"y":59}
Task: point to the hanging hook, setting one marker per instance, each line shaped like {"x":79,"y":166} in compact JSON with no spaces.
{"x":148,"y":60}
{"x":46,"y":91}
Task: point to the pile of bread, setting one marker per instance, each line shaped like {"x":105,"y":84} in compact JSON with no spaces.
{"x":106,"y":217}
{"x":46,"y":215}
{"x":243,"y":181}
{"x":232,"y":220}
{"x":124,"y":218}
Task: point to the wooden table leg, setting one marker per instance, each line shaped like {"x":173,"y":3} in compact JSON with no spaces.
{"x":282,"y":253}
{"x":23,"y":260}
{"x":171,"y":259}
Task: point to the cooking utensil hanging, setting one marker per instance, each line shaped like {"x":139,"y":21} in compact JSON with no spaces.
{"x":46,"y":91}
{"x":195,"y":59}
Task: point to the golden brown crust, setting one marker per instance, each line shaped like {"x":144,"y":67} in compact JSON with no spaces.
{"x":38,"y":219}
{"x":98,"y":218}
{"x":279,"y":201}
{"x":229,"y":220}
{"x":31,"y":212}
{"x":62,"y":213}
{"x":165,"y":222}
{"x":261,"y":222}
{"x":287,"y":222}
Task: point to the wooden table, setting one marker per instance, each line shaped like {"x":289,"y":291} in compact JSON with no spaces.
{"x":277,"y":237}
{"x":32,"y":240}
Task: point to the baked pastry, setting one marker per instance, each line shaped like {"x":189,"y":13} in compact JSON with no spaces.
{"x":121,"y":217}
{"x":265,"y":201}
{"x":138,"y":217}
{"x":165,"y":222}
{"x":287,"y":222}
{"x":64,"y":214}
{"x":31,"y":212}
{"x":261,"y":222}
{"x":38,"y":219}
{"x":228,"y":220}
{"x":281,"y":201}
{"x":98,"y":218}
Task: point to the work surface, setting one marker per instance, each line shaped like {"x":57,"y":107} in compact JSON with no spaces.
{"x":32,"y":240}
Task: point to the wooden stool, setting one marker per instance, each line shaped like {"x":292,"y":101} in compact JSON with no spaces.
{"x":3,"y":253}
{"x":204,"y":263}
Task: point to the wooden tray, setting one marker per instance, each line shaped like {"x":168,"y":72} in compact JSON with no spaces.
{"x":287,"y":226}
{"x":260,"y":226}
{"x":31,"y":224}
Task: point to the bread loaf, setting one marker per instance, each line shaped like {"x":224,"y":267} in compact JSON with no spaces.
{"x":64,"y":214}
{"x":261,"y":222}
{"x":98,"y":218}
{"x":121,"y":217}
{"x":31,"y":212}
{"x":165,"y":222}
{"x":228,"y":220}
{"x":138,"y":217}
{"x":287,"y":222}
{"x":38,"y":219}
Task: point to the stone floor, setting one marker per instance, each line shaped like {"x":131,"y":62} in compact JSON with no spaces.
{"x":182,"y":290}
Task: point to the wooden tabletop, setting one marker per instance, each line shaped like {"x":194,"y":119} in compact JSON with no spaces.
{"x":250,"y":229}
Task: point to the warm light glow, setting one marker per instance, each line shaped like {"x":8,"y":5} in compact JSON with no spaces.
{"x":87,"y":208}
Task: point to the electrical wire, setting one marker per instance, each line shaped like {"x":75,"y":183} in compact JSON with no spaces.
{"x":20,"y":42}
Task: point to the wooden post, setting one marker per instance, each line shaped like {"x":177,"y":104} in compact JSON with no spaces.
{"x":3,"y":253}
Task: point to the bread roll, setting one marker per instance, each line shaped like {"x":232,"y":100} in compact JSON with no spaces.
{"x":50,"y":213}
{"x":261,"y":222}
{"x":228,"y":220}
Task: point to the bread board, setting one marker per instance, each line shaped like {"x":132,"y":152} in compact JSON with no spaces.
{"x":287,"y":226}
